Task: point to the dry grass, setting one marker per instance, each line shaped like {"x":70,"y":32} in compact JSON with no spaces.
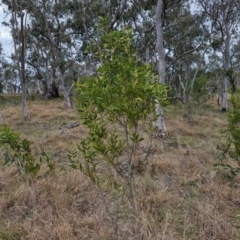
{"x":178,"y":196}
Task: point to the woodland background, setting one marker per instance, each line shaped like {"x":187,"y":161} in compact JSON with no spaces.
{"x":64,"y":173}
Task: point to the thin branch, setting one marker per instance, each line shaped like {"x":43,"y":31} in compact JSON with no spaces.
{"x":184,"y":54}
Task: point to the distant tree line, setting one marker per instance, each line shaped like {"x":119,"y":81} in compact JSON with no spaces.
{"x":193,"y":45}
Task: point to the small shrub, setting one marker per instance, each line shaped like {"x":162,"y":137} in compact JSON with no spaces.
{"x":19,"y":153}
{"x":117,"y":107}
{"x":199,"y":91}
{"x":229,"y":159}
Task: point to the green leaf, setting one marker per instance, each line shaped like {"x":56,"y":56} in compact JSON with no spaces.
{"x":8,"y":159}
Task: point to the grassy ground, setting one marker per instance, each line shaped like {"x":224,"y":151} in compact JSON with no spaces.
{"x":178,"y":196}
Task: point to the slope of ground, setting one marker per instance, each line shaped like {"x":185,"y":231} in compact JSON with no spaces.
{"x":179,"y":195}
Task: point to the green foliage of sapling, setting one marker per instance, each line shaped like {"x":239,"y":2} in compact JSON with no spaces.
{"x":116,"y":106}
{"x":200,"y":92}
{"x":229,"y":159}
{"x":19,"y":153}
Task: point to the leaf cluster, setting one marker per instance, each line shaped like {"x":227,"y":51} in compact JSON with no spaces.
{"x":231,"y":148}
{"x":200,"y":91}
{"x":115,"y":106}
{"x":19,"y":153}
{"x":123,"y":88}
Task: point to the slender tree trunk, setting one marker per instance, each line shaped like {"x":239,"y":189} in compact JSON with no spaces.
{"x":65,"y":91}
{"x":160,"y":47}
{"x":199,"y":65}
{"x":160,"y":123}
{"x":20,"y":57}
{"x":184,"y":96}
{"x":23,"y":79}
{"x":52,"y":88}
{"x":226,"y":67}
{"x":147,"y":56}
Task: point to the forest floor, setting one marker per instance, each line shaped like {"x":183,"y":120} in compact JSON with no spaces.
{"x":179,"y":195}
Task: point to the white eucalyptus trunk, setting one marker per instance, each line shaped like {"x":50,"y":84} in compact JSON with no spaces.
{"x":23,"y":82}
{"x":20,"y":56}
{"x":224,"y":94}
{"x":160,"y":123}
{"x":65,"y":91}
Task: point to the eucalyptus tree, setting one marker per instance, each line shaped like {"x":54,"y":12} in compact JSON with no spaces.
{"x":84,"y":23}
{"x":150,"y":23}
{"x":54,"y":45}
{"x":168,"y":19}
{"x":39,"y":65}
{"x":223,"y":17}
{"x":186,"y":48}
{"x":18,"y":10}
{"x":160,"y":123}
{"x":179,"y":38}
